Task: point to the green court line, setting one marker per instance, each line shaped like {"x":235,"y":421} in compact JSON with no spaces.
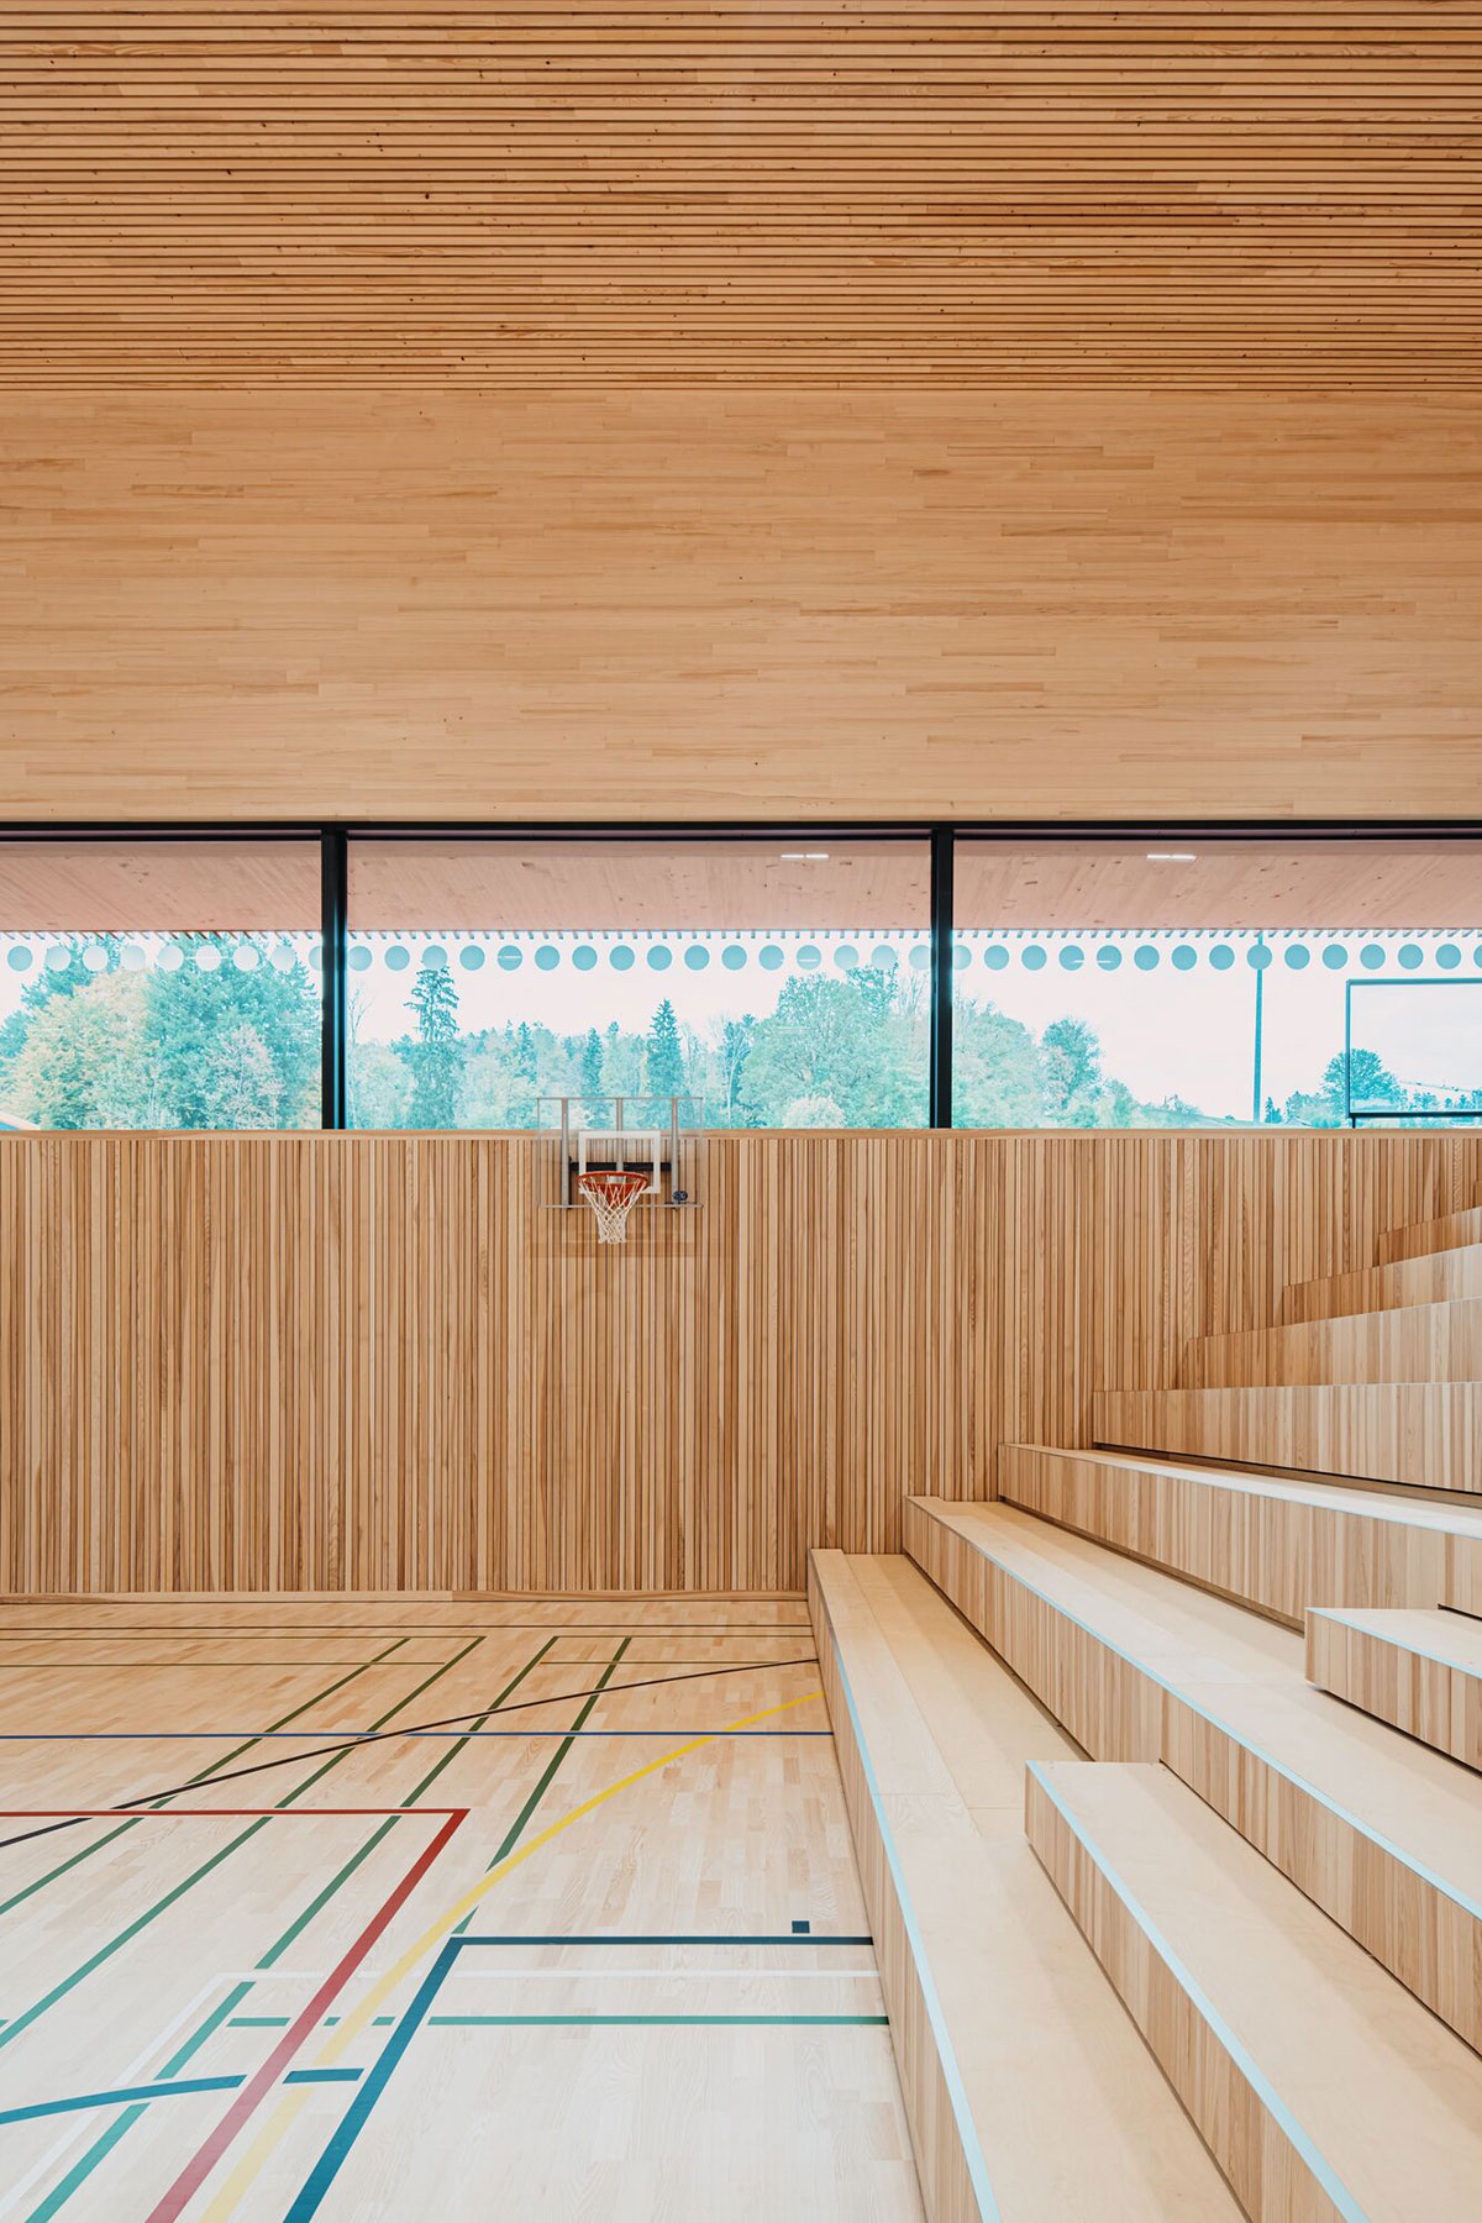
{"x":384,"y":1829}
{"x":152,"y":1913}
{"x":548,"y":1774}
{"x":211,"y":1768}
{"x":108,"y":2139}
{"x":111,"y":1667}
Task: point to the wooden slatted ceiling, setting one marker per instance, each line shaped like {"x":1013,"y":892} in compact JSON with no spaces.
{"x":874,"y":190}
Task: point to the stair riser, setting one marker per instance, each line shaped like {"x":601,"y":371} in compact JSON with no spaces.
{"x":1429,"y":1436}
{"x":1274,"y":1556}
{"x":1450,"y":1233}
{"x":1441,"y":1343}
{"x":1430,"y":1699}
{"x":1437,"y":1278}
{"x":1117,"y":1709}
{"x":1269,"y":2177}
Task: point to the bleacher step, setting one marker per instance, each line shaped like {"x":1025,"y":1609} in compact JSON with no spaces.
{"x":1434,"y":1277}
{"x":1320,"y":2085}
{"x":1412,"y":1343}
{"x":1275,"y":1545}
{"x":1427,"y":1435}
{"x":1421,"y":1672}
{"x":1029,"y":2093}
{"x":1383,"y":1834}
{"x":1450,"y":1232}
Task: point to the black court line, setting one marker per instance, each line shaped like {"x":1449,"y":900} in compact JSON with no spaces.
{"x":382,"y":1736}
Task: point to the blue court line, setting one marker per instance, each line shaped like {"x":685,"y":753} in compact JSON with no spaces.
{"x":337,"y":2152}
{"x":679,"y":1937}
{"x":355,"y":1736}
{"x":177,"y":2087}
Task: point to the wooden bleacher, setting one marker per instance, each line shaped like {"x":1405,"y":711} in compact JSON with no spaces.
{"x":1030,"y":2095}
{"x":1321,"y":2086}
{"x":1271,"y":1848}
{"x":1271,"y":1543}
{"x":1420,"y":1671}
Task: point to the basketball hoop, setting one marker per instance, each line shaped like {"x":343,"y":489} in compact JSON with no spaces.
{"x":612,"y":1197}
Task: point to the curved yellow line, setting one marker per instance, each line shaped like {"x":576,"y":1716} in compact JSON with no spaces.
{"x":293,"y":2103}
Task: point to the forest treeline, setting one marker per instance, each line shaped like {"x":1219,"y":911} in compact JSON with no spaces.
{"x":236,"y":1043}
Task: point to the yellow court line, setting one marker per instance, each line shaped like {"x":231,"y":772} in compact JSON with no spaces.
{"x":293,"y":2103}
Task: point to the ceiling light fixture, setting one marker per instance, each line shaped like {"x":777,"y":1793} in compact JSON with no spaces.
{"x":1172,"y":856}
{"x":805,"y":856}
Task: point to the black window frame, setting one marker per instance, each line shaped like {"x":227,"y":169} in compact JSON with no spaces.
{"x":335,"y":840}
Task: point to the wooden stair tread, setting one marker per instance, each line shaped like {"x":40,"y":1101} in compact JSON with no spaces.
{"x":1424,"y":1434}
{"x":1420,"y":1672}
{"x":1275,"y":1544}
{"x":1067,"y":2115}
{"x":1371,"y":2096}
{"x":1382,"y":1832}
{"x":1252,"y":1675}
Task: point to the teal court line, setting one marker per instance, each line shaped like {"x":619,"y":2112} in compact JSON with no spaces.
{"x":88,"y":1851}
{"x":134,"y":2112}
{"x":131,"y":1930}
{"x":104,"y":2144}
{"x":139,"y":2095}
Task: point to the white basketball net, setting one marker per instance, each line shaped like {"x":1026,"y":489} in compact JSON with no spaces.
{"x":612,"y":1197}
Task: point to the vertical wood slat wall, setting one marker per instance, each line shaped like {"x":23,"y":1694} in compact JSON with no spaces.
{"x":375,"y":1363}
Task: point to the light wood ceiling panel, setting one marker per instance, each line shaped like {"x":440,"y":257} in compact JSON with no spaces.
{"x":789,"y":191}
{"x":1220,"y":885}
{"x":634,"y":886}
{"x":162,"y":887}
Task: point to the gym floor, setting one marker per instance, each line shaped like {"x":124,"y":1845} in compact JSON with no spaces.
{"x":579,"y":1934}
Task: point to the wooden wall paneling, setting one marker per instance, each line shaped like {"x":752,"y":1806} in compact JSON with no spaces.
{"x":753,"y":605}
{"x":373,"y":1362}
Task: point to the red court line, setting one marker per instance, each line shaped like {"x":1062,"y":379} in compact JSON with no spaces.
{"x":258,"y":2086}
{"x":212,"y":1813}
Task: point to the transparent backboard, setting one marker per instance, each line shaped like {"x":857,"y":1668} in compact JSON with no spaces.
{"x":1415,"y":1049}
